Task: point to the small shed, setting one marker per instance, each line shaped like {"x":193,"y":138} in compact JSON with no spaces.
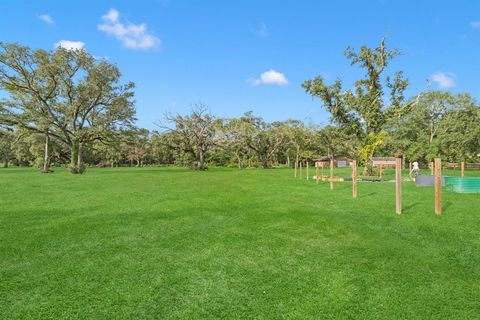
{"x":338,"y":161}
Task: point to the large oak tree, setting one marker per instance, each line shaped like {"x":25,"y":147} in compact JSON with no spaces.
{"x":65,"y":94}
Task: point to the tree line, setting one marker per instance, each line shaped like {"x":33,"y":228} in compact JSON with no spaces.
{"x":67,"y":108}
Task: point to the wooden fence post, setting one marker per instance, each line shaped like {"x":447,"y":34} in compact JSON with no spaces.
{"x":398,"y":185}
{"x":316,"y":171}
{"x":354,"y":178}
{"x":295,"y":170}
{"x":307,"y":170}
{"x":463,"y":169}
{"x":301,"y":172}
{"x":331,"y":174}
{"x":380,"y":171}
{"x":438,"y":186}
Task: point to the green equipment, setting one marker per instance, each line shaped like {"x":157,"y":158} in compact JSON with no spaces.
{"x":464,"y":185}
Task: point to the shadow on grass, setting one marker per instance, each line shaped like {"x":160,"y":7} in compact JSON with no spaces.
{"x":409,"y":207}
{"x":367,"y":195}
{"x":446,"y":205}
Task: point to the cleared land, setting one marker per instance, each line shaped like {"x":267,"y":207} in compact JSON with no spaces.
{"x":172,"y":243}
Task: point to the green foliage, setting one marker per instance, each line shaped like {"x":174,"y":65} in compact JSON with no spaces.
{"x":337,"y":141}
{"x":439,"y":125}
{"x":194,"y":134}
{"x":67,"y":93}
{"x":372,"y":143}
{"x":263,"y":138}
{"x":363,"y":110}
{"x":65,"y":107}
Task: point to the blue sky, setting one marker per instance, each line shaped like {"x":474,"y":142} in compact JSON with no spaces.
{"x":180,"y":52}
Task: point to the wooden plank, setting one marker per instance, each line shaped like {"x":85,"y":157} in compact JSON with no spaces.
{"x":384,"y":159}
{"x":452,"y":165}
{"x":398,"y":185}
{"x":438,"y":186}
{"x":383,"y":163}
{"x":331,"y":174}
{"x":463,"y":169}
{"x":354,"y":179}
{"x":472,"y":165}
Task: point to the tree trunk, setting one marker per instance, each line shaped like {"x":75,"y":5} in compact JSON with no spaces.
{"x":74,"y":154}
{"x":46,"y":159}
{"x":79,"y":156}
{"x":266,"y":163}
{"x":239,"y":160}
{"x":368,"y":168}
{"x":76,"y":165}
{"x":201,"y":159}
{"x":5,"y":162}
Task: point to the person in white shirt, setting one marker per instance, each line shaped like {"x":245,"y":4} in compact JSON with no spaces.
{"x":415,"y":168}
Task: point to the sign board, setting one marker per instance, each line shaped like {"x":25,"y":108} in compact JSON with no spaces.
{"x":383,"y":161}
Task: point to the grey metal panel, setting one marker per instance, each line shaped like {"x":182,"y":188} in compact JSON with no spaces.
{"x":427,"y":181}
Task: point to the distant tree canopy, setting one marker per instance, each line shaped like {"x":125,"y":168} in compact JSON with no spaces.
{"x":66,"y":108}
{"x":193,"y":134}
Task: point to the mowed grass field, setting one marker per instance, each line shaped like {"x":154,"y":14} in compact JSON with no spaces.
{"x":170,"y":243}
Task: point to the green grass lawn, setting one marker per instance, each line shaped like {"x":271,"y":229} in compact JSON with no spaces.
{"x":233,"y":244}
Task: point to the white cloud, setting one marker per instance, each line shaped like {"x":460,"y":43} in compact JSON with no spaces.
{"x":70,"y":45}
{"x":46,"y":18}
{"x":475,"y":24}
{"x":132,"y":36}
{"x":260,"y":29}
{"x":444,"y":80}
{"x":269,"y":77}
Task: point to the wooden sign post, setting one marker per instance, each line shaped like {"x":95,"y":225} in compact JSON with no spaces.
{"x":354,"y":178}
{"x":381,"y":163}
{"x":316,"y":171}
{"x":331,"y":174}
{"x":438,"y":186}
{"x":398,"y":185}
{"x":307,"y":169}
{"x":295,"y":170}
{"x":301,"y":173}
{"x":463,"y":169}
